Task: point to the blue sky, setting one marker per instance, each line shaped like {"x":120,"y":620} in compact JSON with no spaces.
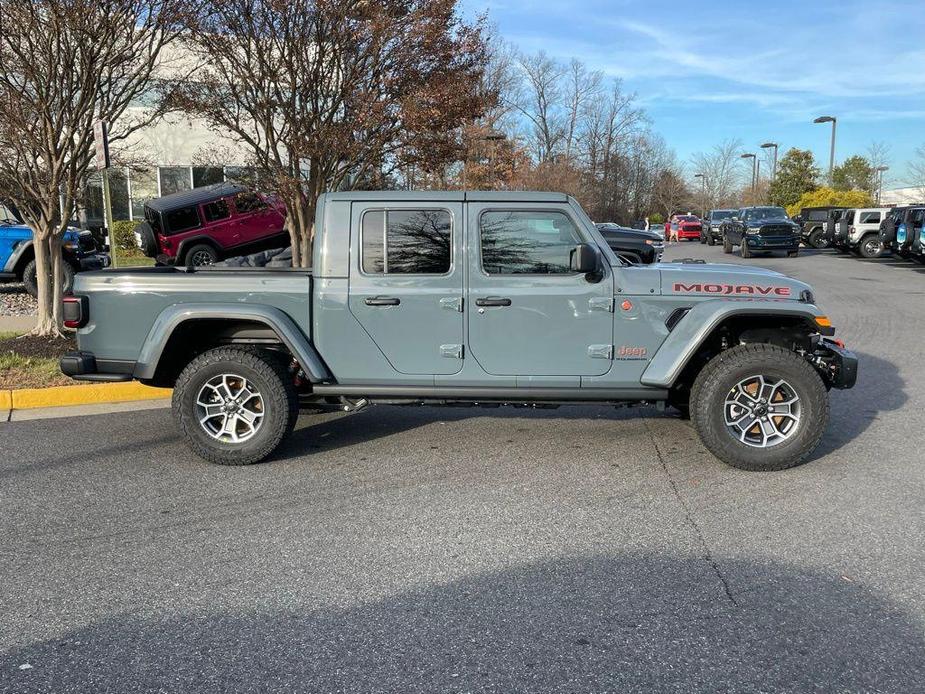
{"x":757,"y":71}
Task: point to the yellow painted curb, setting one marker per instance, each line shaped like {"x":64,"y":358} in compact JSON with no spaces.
{"x":6,"y":400}
{"x":95,"y":393}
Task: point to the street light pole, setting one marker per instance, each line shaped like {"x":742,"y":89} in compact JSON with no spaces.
{"x":833,"y":121}
{"x":703,"y":194}
{"x":769,"y":145}
{"x":880,"y":170}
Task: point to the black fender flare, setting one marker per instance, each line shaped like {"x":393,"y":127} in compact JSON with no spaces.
{"x":279,"y":322}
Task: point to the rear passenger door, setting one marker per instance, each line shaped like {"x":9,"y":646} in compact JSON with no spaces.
{"x":406,"y":283}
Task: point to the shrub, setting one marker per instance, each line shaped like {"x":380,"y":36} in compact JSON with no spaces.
{"x":123,"y":235}
{"x":823,"y":197}
{"x":656,"y":219}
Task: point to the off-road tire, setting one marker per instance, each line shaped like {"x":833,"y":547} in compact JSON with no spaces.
{"x":728,"y":368}
{"x":793,"y":254}
{"x":710,"y":240}
{"x":866,"y":247}
{"x":703,"y":239}
{"x":196,"y":255}
{"x":727,"y":246}
{"x":743,"y":250}
{"x":30,"y":280}
{"x":269,"y":372}
{"x":817,"y":239}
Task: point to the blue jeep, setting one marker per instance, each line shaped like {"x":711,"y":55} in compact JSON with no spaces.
{"x":17,"y":257}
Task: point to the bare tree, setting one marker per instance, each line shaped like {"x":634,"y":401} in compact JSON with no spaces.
{"x":722,"y":171}
{"x":916,"y":170}
{"x":539,"y":101}
{"x":324,"y":93}
{"x":64,"y":65}
{"x":582,"y":86}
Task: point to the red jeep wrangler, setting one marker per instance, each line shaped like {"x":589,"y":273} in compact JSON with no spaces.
{"x":204,"y":225}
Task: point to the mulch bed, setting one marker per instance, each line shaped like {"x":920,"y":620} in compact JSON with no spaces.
{"x":32,"y":362}
{"x":32,"y":346}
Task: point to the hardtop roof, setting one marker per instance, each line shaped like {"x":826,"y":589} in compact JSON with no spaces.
{"x":446,"y":196}
{"x":195,"y":196}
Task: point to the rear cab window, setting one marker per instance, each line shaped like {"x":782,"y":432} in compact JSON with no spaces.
{"x":869,"y":217}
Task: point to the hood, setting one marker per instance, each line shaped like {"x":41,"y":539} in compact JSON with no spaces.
{"x":23,"y":231}
{"x":718,"y":280}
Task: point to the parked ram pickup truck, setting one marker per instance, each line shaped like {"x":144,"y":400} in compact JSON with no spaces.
{"x":453,"y":298}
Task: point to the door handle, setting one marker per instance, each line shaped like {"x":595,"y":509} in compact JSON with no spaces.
{"x":382,"y":301}
{"x":492,"y":301}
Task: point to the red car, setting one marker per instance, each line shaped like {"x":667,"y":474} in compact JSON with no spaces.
{"x":686,"y":226}
{"x":204,"y":225}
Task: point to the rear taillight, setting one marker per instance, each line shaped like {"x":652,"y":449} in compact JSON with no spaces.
{"x":76,"y":311}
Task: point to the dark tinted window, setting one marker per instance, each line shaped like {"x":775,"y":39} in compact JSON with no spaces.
{"x":869,"y":218}
{"x":248,"y":202}
{"x":817,"y":215}
{"x":407,"y":242}
{"x":518,"y":242}
{"x":213,"y":211}
{"x":182,"y":219}
{"x":721,"y":214}
{"x":848,"y":216}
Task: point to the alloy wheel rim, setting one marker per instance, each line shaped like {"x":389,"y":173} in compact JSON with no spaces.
{"x":202,"y":258}
{"x":872,"y":247}
{"x":229,"y":408}
{"x":762,"y":412}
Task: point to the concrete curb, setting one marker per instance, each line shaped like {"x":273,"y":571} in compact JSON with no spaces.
{"x":91,"y":394}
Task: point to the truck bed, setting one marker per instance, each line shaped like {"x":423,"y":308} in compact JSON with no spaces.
{"x":124,"y":304}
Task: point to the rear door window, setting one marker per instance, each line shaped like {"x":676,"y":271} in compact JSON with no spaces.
{"x":216,"y":210}
{"x":406,"y":242}
{"x":182,"y":219}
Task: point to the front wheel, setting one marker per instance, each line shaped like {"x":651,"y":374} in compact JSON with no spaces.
{"x":743,"y":250}
{"x":710,"y":240}
{"x":760,"y":407}
{"x":727,"y":246}
{"x":234,"y":406}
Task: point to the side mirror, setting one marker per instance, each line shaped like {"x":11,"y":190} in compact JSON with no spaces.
{"x":583,"y":258}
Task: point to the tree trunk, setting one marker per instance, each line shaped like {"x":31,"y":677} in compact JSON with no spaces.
{"x":57,"y":263}
{"x":46,"y":323}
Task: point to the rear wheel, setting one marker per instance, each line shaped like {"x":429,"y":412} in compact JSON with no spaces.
{"x":870,"y":246}
{"x":31,"y":282}
{"x":759,"y":407}
{"x":201,"y":254}
{"x":817,"y":239}
{"x":234,"y":406}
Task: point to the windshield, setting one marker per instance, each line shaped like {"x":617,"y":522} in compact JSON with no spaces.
{"x":721,"y":214}
{"x":758,"y":213}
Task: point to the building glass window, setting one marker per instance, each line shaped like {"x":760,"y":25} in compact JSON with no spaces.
{"x":174,"y":179}
{"x":144,"y":188}
{"x":207,"y":175}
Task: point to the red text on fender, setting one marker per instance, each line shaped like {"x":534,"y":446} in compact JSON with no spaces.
{"x":752,"y":289}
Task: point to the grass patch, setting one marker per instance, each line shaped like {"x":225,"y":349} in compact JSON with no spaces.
{"x":32,"y":362}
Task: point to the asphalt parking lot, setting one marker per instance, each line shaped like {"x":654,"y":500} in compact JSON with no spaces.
{"x":429,"y":550}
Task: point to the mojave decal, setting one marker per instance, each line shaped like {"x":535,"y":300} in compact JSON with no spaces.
{"x":745,"y":289}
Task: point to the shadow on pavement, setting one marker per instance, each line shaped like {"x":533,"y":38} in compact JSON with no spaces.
{"x":879,"y":389}
{"x":640,"y":623}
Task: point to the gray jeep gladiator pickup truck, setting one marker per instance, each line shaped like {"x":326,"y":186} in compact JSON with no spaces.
{"x":480,"y":298}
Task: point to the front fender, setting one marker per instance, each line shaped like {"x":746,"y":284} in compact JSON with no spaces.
{"x":693,"y":330}
{"x":285,"y":328}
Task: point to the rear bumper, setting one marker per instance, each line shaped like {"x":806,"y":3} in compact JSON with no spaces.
{"x":84,"y":366}
{"x":841,"y":365}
